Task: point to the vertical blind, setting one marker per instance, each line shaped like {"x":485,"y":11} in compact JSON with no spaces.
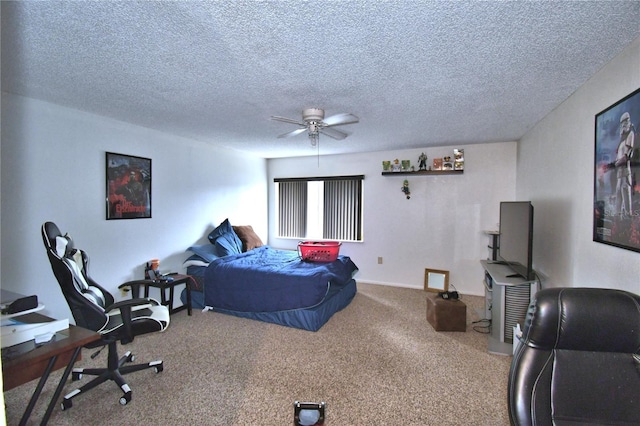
{"x":342,"y":209}
{"x":292,"y":207}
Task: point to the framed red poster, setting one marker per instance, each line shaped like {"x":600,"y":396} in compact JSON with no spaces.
{"x":128,"y":186}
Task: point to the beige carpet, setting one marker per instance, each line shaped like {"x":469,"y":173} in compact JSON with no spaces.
{"x":377,"y":362}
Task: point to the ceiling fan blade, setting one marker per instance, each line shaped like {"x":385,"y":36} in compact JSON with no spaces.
{"x":333,"y":133}
{"x":340,"y":119}
{"x":287,"y":120}
{"x":293,"y":133}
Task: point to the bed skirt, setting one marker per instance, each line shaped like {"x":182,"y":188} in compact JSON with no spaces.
{"x":311,"y":319}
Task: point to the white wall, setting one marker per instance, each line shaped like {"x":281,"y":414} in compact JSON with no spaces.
{"x":53,"y":169}
{"x":555,"y":170}
{"x":440,"y":227}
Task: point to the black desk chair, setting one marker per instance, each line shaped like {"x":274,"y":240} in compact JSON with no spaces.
{"x":579,"y":360}
{"x":94,"y":308}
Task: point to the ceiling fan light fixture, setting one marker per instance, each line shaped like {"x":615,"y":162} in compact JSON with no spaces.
{"x":314,"y":137}
{"x":314,"y":134}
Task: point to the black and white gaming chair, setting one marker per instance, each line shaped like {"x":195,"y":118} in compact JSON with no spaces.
{"x":95,"y":308}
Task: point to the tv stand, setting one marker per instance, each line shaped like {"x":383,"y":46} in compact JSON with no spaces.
{"x":507,"y":299}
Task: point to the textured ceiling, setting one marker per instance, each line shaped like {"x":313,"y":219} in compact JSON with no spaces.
{"x":417,"y":73}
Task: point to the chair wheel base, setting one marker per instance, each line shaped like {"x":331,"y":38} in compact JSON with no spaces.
{"x":125,"y":399}
{"x":66,"y":404}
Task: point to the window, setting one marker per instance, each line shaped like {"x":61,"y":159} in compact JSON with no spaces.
{"x":328,"y":208}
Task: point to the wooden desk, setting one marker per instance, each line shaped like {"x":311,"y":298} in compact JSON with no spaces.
{"x":25,"y":362}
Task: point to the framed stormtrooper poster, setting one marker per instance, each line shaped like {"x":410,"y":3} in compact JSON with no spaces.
{"x":616,"y":213}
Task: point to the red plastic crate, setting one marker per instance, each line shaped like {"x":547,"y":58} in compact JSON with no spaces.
{"x":319,"y":251}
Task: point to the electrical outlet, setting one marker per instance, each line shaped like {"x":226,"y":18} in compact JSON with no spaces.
{"x":380,"y":260}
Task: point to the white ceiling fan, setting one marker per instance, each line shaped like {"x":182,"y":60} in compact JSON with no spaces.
{"x":314,"y":123}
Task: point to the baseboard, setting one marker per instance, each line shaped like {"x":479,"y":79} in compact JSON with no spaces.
{"x":388,"y":284}
{"x":401,"y":285}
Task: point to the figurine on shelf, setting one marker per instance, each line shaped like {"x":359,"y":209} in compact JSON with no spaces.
{"x":396,"y":167}
{"x":458,"y":155}
{"x":447,"y":164}
{"x":422,"y":161}
{"x":405,"y":189}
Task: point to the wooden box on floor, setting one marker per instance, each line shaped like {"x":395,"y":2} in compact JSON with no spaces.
{"x":446,"y":315}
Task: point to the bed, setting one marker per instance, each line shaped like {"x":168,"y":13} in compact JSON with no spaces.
{"x":237,"y":275}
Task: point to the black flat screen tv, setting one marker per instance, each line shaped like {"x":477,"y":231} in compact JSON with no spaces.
{"x":516,"y":238}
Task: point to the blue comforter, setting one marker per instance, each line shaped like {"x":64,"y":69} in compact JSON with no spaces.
{"x":268,"y":280}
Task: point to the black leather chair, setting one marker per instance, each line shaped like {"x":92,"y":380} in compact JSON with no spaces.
{"x":94,"y":308}
{"x":579,"y":359}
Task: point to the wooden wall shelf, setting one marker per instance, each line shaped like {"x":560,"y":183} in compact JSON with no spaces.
{"x":425,"y":172}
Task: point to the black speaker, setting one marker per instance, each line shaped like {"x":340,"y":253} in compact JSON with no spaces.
{"x":449,"y":295}
{"x":308,"y":413}
{"x":20,"y":305}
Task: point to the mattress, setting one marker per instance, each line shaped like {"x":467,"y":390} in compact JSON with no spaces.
{"x":311,"y":319}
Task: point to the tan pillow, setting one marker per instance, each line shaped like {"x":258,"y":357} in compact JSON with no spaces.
{"x":249,"y":238}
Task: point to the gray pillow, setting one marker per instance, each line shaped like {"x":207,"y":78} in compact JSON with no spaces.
{"x":205,"y":251}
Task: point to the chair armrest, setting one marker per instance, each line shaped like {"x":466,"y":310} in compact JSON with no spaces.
{"x":125,"y":307}
{"x":131,"y":303}
{"x":134,"y":282}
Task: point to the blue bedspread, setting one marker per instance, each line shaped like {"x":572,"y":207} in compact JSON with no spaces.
{"x":267,"y":280}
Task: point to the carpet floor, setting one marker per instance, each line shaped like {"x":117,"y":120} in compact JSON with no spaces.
{"x":376,"y":362}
